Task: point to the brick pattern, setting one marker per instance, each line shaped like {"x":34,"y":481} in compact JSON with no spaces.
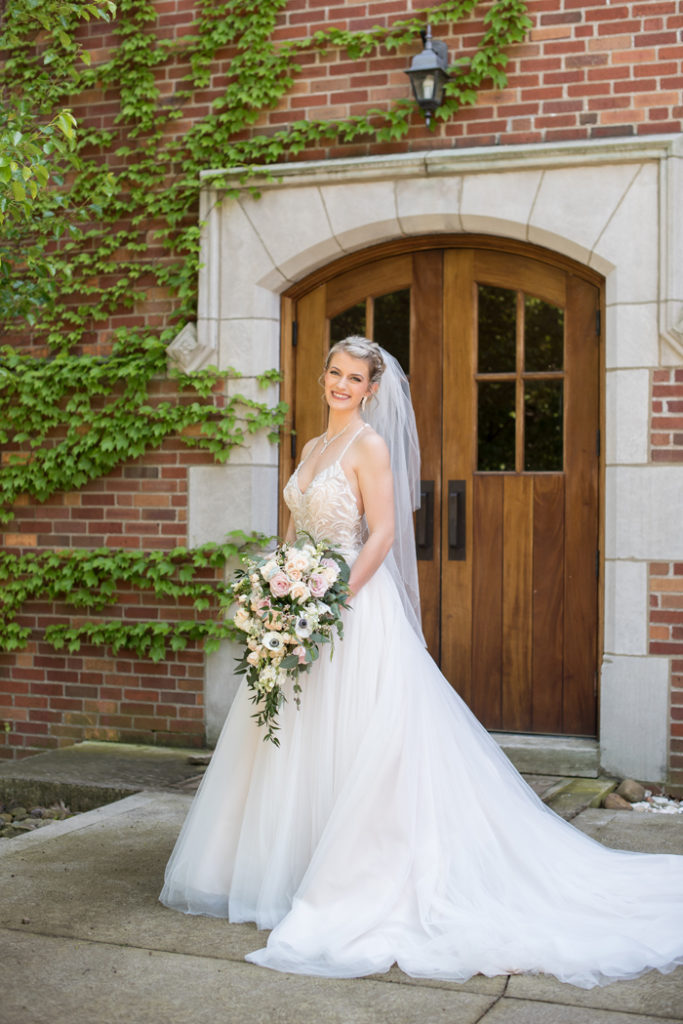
{"x":676,"y":752}
{"x":666,"y":437}
{"x":588,"y":69}
{"x":50,"y":699}
{"x":666,"y":638}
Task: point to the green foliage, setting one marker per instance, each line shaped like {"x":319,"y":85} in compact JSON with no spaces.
{"x":27,"y":144}
{"x":91,"y":581}
{"x":88,"y":415}
{"x":120,"y":217}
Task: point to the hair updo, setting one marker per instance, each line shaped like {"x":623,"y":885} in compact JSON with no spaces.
{"x":361,"y":348}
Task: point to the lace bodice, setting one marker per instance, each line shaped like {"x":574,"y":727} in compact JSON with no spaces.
{"x":327,"y":509}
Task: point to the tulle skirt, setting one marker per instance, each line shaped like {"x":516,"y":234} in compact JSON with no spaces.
{"x":388,"y":827}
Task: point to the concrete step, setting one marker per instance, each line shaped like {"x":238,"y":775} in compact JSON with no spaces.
{"x":569,"y":797}
{"x":94,"y":773}
{"x":573,"y":756}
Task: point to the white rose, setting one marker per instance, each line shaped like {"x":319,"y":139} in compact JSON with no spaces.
{"x":269,"y":569}
{"x":242,"y":618}
{"x":330,"y":572}
{"x":299,"y":592}
{"x":298,"y":560}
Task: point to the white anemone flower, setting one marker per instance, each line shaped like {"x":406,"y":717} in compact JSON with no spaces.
{"x":303,"y":627}
{"x":272,"y":641}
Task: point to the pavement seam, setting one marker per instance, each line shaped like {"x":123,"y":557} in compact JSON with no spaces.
{"x":600,"y":1009}
{"x":119,"y":945}
{"x":222,"y":959}
{"x":654,"y":1018}
{"x":495,"y":1002}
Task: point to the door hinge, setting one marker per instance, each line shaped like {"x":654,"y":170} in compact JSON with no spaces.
{"x":292,"y":444}
{"x":295,"y":333}
{"x":598,"y":322}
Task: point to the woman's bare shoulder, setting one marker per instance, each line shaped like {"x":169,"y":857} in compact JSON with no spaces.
{"x":371,"y":449}
{"x":308,"y":448}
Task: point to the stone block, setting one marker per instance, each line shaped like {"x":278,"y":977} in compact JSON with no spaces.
{"x":626,"y":607}
{"x":426,"y":205}
{"x":631,"y":335}
{"x":361,"y":214}
{"x":627,"y":416}
{"x":640,"y":503}
{"x":296,"y":234}
{"x":489,"y":208}
{"x":574,"y":205}
{"x":634,"y":698}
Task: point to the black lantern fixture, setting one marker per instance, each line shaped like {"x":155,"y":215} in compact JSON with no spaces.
{"x":428,"y":74}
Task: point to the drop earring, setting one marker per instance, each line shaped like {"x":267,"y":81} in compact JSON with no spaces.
{"x":363,"y":402}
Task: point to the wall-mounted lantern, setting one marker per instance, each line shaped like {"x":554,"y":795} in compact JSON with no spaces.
{"x":428,"y":74}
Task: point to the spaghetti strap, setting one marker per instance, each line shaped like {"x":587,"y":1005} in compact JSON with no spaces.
{"x":350,"y":442}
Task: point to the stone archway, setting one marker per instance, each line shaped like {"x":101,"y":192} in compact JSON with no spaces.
{"x":608,"y":205}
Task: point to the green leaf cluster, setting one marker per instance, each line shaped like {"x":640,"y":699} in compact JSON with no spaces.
{"x":91,"y":581}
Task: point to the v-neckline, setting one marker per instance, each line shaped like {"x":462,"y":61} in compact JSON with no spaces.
{"x":337,"y":462}
{"x":313,"y":479}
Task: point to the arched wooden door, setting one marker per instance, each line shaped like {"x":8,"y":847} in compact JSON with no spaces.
{"x":502,"y":351}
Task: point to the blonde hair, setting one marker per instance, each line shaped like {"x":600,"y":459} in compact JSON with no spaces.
{"x":360,"y":348}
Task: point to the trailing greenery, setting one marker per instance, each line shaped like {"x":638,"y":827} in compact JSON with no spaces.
{"x":120,"y":216}
{"x":102,"y":407}
{"x":90,"y":581}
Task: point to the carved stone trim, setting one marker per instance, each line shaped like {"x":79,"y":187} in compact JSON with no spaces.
{"x":186,"y":352}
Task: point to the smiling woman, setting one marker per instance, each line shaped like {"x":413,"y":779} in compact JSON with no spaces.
{"x":353,"y":371}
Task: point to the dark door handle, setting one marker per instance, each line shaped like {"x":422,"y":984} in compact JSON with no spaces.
{"x":457,"y":536}
{"x":424,"y":522}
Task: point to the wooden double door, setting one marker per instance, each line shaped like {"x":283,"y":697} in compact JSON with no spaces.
{"x":502,"y":352}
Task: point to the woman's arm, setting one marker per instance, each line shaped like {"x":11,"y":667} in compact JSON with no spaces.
{"x":373,"y":472}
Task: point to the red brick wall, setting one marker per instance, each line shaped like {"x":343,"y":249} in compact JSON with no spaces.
{"x":48,"y":698}
{"x":666,"y":437}
{"x":588,"y":70}
{"x":666,"y":638}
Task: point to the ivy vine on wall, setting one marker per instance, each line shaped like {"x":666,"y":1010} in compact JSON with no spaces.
{"x":120,"y":217}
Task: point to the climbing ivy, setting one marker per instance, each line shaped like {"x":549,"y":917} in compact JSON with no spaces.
{"x":120,"y":218}
{"x":89,"y":580}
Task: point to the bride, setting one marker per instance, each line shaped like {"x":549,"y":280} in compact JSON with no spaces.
{"x":388,"y":827}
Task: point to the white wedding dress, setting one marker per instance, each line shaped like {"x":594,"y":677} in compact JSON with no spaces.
{"x":389,"y":827}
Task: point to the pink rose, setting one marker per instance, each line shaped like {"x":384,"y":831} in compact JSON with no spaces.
{"x":318,"y":585}
{"x":300,"y":652}
{"x":280,"y":585}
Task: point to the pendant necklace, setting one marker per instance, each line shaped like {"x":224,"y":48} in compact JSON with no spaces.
{"x":328,"y":441}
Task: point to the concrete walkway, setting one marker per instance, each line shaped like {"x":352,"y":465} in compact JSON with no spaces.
{"x":83,"y":939}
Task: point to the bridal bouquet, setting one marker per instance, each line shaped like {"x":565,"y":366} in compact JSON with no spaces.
{"x":289,"y":602}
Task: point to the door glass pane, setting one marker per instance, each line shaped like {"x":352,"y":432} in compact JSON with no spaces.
{"x":496,"y":426}
{"x":497,"y":334}
{"x":543,"y":425}
{"x":349,"y":321}
{"x":392,"y":325}
{"x":543,"y":336}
